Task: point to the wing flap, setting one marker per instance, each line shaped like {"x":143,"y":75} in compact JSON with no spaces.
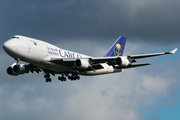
{"x":102,"y":59}
{"x":135,"y":65}
{"x":95,"y":67}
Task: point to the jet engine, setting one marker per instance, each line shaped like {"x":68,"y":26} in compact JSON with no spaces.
{"x":17,"y":69}
{"x":82,"y":63}
{"x":122,"y":61}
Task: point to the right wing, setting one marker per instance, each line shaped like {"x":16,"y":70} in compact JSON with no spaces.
{"x":33,"y":68}
{"x":70,"y":62}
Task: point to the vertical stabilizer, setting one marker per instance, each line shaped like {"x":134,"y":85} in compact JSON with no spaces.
{"x":117,"y":48}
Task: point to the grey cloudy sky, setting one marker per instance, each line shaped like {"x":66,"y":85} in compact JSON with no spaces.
{"x":103,"y":19}
{"x":91,"y":27}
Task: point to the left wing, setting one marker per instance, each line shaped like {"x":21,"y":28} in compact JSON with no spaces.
{"x":151,"y":55}
{"x":116,"y":61}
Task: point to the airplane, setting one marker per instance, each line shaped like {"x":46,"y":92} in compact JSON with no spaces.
{"x":50,"y":59}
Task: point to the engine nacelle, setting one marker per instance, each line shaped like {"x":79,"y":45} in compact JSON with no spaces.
{"x":82,"y":63}
{"x":17,"y":69}
{"x":122,"y":61}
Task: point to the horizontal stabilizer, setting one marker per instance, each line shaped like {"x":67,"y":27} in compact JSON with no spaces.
{"x":137,"y":65}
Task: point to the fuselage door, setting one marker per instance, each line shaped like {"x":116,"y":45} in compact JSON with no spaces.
{"x":29,"y":48}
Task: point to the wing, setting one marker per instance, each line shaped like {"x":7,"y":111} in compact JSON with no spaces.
{"x":131,"y":58}
{"x":32,"y":68}
{"x":115,"y":61}
{"x":70,"y":62}
{"x":151,"y":55}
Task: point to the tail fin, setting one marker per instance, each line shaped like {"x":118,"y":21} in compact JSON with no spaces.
{"x":117,"y":48}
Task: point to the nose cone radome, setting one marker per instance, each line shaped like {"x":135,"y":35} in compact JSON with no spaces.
{"x":6,"y":46}
{"x":10,"y":47}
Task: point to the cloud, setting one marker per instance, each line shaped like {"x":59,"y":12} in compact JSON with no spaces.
{"x":102,"y":97}
{"x":114,"y":96}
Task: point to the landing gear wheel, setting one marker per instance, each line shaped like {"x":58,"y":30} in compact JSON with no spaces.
{"x":62,"y":78}
{"x":78,"y":77}
{"x":48,"y":80}
{"x":47,"y":76}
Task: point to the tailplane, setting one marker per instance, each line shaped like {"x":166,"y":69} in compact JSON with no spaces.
{"x":117,"y":48}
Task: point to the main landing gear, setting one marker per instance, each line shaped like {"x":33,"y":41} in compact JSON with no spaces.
{"x":74,"y":76}
{"x":48,"y":79}
{"x":62,"y":78}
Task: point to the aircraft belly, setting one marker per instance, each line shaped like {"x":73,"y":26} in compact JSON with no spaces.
{"x":107,"y":69}
{"x":60,"y":68}
{"x":53,"y":67}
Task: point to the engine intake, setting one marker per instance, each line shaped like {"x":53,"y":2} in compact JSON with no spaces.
{"x":82,"y":63}
{"x":10,"y":70}
{"x":118,"y":61}
{"x":122,"y":61}
{"x":17,"y":69}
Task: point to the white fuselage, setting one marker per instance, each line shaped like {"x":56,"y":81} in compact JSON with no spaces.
{"x":40,"y":53}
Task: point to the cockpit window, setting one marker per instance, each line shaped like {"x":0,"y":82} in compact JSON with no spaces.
{"x":16,"y":37}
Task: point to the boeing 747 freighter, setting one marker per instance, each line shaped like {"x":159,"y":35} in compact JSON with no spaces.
{"x":44,"y":57}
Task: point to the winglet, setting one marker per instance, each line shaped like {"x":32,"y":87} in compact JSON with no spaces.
{"x":173,"y":51}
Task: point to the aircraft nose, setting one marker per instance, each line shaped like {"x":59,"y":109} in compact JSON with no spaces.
{"x":5,"y":46}
{"x":10,"y":46}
